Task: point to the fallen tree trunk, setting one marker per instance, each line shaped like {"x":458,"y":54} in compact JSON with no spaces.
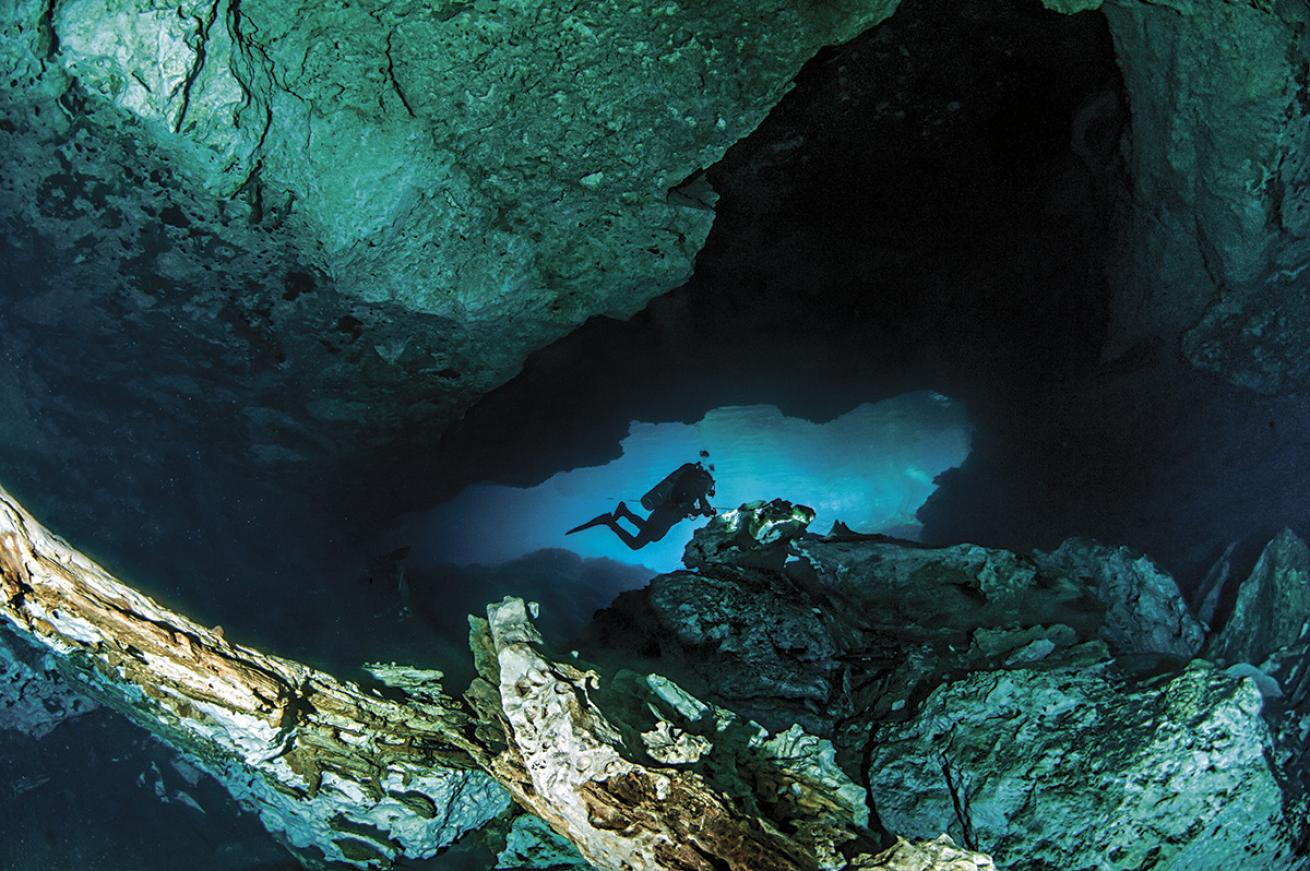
{"x":340,"y":773}
{"x":345,"y":774}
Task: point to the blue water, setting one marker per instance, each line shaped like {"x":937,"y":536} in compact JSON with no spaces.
{"x":870,"y":468}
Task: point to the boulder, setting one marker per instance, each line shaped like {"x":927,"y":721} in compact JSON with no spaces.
{"x":1144,"y":610}
{"x":1273,"y":604}
{"x":1069,"y":768}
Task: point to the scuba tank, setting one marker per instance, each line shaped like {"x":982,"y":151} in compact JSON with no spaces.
{"x":662,"y":493}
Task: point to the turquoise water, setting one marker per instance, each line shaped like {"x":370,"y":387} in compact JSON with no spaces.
{"x":870,"y":468}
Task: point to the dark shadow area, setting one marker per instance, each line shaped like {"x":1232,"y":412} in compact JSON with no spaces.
{"x":100,"y":793}
{"x":567,"y":588}
{"x":929,"y":208}
{"x":1144,"y":452}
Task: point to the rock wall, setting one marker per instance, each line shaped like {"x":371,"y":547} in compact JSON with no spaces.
{"x":1213,"y":236}
{"x":1065,"y":768}
{"x":327,"y":227}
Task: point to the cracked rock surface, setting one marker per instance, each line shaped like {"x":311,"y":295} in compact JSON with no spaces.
{"x":326,"y":227}
{"x":1013,"y":702}
{"x":1063,"y":768}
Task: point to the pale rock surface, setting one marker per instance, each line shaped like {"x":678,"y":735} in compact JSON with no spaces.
{"x":1070,"y":768}
{"x":338,"y":773}
{"x":939,"y":854}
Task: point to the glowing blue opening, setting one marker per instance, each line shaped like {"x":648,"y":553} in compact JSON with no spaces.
{"x":870,"y":468}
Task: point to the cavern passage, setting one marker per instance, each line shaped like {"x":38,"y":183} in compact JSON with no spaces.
{"x":284,"y":282}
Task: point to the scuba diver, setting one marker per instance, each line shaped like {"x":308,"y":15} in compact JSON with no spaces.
{"x":682,"y":495}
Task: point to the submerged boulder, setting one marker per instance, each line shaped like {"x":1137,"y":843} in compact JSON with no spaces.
{"x":1070,"y":768}
{"x":789,"y":627}
{"x":1144,"y":610}
{"x":1273,"y":604}
{"x":756,"y":535}
{"x":759,"y":648}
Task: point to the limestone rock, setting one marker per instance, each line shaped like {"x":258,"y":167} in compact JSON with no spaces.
{"x":533,"y":844}
{"x":1144,"y":610}
{"x":567,"y":762}
{"x":791,"y":777}
{"x":755,"y":534}
{"x":765,"y":652}
{"x":1273,"y":604}
{"x":941,"y":590}
{"x":356,"y":777}
{"x":845,"y":628}
{"x":402,"y":201}
{"x":939,"y":854}
{"x":1068,"y":768}
{"x":1214,"y":240}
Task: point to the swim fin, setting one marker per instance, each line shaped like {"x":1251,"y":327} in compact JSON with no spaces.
{"x":602,"y":520}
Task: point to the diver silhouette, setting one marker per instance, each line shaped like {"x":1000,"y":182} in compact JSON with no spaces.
{"x":682,"y":495}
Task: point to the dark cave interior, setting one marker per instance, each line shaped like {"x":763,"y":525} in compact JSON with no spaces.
{"x":932,"y":207}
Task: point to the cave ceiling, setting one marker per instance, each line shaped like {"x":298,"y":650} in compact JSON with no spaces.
{"x":321,"y":232}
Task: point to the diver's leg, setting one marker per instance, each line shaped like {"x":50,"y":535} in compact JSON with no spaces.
{"x":633,"y":541}
{"x":641,"y":539}
{"x":623,"y":511}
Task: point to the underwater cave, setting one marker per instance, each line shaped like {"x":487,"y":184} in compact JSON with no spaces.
{"x":969,"y":334}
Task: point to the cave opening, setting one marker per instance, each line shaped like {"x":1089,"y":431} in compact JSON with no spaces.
{"x":870,"y":468}
{"x":930,"y":208}
{"x":909,"y":314}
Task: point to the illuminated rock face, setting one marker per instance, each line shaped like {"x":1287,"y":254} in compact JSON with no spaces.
{"x":353,"y":219}
{"x":337,"y":772}
{"x":1065,"y":767}
{"x":995,"y":696}
{"x":653,"y":779}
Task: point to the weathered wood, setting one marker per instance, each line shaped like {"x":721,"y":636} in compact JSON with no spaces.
{"x":339,"y":772}
{"x":347,"y":775}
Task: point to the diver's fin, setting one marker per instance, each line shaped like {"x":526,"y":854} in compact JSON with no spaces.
{"x":595,"y":521}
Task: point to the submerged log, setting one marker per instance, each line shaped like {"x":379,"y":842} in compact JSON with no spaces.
{"x":343,"y":774}
{"x":338,"y":772}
